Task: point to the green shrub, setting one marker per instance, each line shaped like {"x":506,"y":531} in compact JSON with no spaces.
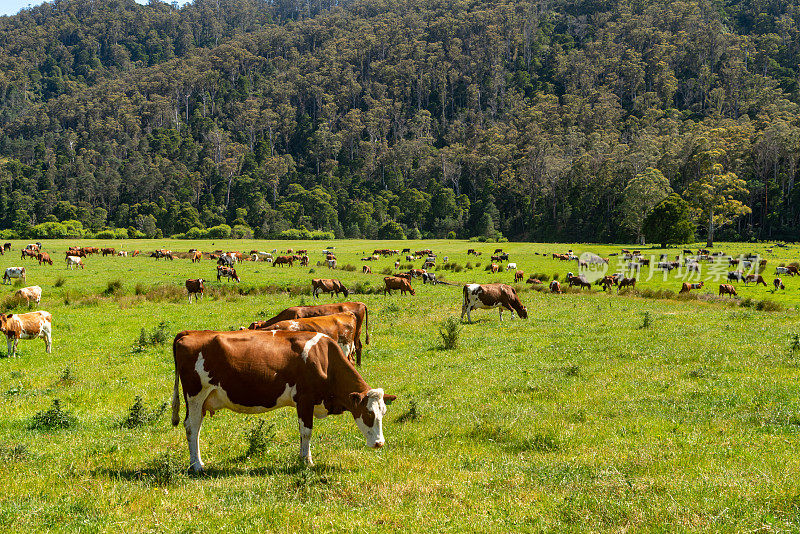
{"x":222,"y":231}
{"x":241,"y":231}
{"x":54,"y":418}
{"x":105,"y":234}
{"x":165,"y":469}
{"x":349,"y":268}
{"x":138,"y":414}
{"x":450,"y":330}
{"x":259,"y":437}
{"x":157,"y":336}
{"x":113,"y":287}
{"x":769,"y":305}
{"x":120,"y":233}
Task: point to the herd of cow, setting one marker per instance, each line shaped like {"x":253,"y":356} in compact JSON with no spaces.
{"x":305,"y":356}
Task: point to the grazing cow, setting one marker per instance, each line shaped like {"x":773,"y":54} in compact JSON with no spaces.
{"x":31,"y":293}
{"x":227,"y":272}
{"x":783,"y":270}
{"x":518,"y":276}
{"x":254,"y":372}
{"x":36,"y":247}
{"x":429,"y":278}
{"x":727,"y":289}
{"x":30,"y":325}
{"x":72,"y":261}
{"x":108,"y":251}
{"x":197,"y":256}
{"x":395,"y":282}
{"x":735,"y":276}
{"x":511,"y":267}
{"x":532,"y":280}
{"x":397,"y":265}
{"x":338,"y":326}
{"x":195,"y":287}
{"x":579,"y":281}
{"x":359,"y":309}
{"x":494,"y":268}
{"x":778,"y":283}
{"x":366,"y":269}
{"x":328,"y":285}
{"x":226,"y":260}
{"x":122,"y":254}
{"x":627,"y":282}
{"x":13,"y":272}
{"x":6,"y":246}
{"x":304,"y":261}
{"x":477,"y":296}
{"x":608,"y":281}
{"x":29,"y":253}
{"x":686,"y":287}
{"x":44,"y":257}
{"x":757,"y":278}
{"x":416,"y":273}
{"x":331,"y":264}
{"x":283,"y":260}
{"x":555,"y":287}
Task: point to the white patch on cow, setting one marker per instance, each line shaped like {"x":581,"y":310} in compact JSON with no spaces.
{"x":310,"y":345}
{"x":294,"y":326}
{"x":375,"y":404}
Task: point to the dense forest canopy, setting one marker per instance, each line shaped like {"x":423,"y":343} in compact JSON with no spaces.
{"x":539,"y":120}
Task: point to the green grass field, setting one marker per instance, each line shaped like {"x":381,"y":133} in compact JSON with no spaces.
{"x":598,"y":413}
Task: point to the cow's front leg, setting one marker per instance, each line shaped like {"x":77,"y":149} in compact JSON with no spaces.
{"x":305,"y":417}
{"x":11,"y":346}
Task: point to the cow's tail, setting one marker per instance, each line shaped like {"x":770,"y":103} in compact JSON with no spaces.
{"x":176,"y":400}
{"x":366,"y":325}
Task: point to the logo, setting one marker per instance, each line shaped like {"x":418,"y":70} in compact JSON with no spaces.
{"x":592,"y":266}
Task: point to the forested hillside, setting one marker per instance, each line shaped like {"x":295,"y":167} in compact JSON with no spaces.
{"x":560,"y":120}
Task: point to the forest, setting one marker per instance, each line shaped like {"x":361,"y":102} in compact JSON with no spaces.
{"x":561,"y":120}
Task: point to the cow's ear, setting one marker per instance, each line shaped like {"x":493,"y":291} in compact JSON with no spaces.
{"x":356,"y":397}
{"x":387,"y":399}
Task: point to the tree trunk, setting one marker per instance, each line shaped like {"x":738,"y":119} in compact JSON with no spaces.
{"x":710,"y":241}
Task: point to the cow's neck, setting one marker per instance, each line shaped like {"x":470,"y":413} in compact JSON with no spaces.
{"x":345,"y":380}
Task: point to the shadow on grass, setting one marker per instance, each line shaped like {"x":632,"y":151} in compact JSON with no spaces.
{"x":294,"y":468}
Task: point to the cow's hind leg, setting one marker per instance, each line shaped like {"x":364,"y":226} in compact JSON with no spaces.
{"x":10,"y":347}
{"x":192,"y":423}
{"x":48,"y":341}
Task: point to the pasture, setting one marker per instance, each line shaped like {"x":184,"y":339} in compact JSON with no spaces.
{"x":600,"y":412}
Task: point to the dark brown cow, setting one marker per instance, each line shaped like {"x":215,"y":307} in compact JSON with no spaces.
{"x":500,"y":296}
{"x":518,"y":276}
{"x":255,"y":372}
{"x":627,"y":282}
{"x":108,"y":251}
{"x":44,"y":257}
{"x":328,"y":285}
{"x":416,"y":273}
{"x":29,"y":253}
{"x":339,"y":326}
{"x":727,"y":289}
{"x":757,"y":278}
{"x":555,"y":287}
{"x":359,"y":309}
{"x":195,"y":287}
{"x":283,"y":260}
{"x":532,"y":280}
{"x":778,"y":283}
{"x":395,"y":282}
{"x":366,"y":269}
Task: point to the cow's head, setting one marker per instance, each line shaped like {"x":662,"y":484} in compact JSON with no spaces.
{"x":368,"y":411}
{"x":4,"y":322}
{"x":523,"y":312}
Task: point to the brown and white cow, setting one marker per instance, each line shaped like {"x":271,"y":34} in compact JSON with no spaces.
{"x":395,"y":282}
{"x":687,"y":286}
{"x":518,"y":276}
{"x":500,"y":296}
{"x":30,"y":325}
{"x":283,"y":260}
{"x":254,"y":372}
{"x":366,"y":269}
{"x":778,"y":283}
{"x":627,"y":282}
{"x":757,"y":278}
{"x":195,"y":287}
{"x":227,"y":272}
{"x":197,"y":256}
{"x":555,"y":287}
{"x":30,"y":293}
{"x":338,"y":326}
{"x":14,"y":272}
{"x":73,"y":261}
{"x":359,"y":309}
{"x":110,"y":251}
{"x":29,"y":253}
{"x":727,"y":289}
{"x":328,"y":285}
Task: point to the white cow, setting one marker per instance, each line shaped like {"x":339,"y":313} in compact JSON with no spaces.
{"x":13,"y":272}
{"x":511,"y":267}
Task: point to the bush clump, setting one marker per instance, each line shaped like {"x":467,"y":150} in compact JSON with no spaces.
{"x":450,"y":330}
{"x":157,"y":336}
{"x":258,"y":437}
{"x":54,"y":418}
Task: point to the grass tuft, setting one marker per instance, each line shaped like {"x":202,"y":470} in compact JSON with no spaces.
{"x":165,"y":469}
{"x":60,"y":281}
{"x":450,"y":330}
{"x":259,"y":437}
{"x":157,"y":336}
{"x":138,"y":414}
{"x":647,"y":320}
{"x":54,"y":418}
{"x":113,"y":287}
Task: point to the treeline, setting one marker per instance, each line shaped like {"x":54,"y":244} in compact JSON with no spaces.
{"x":561,"y":120}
